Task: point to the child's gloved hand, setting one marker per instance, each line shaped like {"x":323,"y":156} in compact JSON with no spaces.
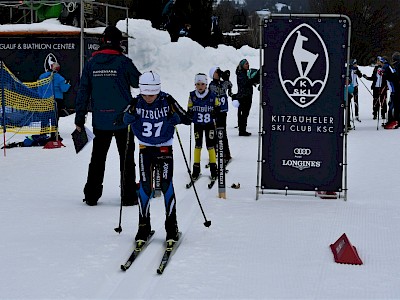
{"x":130,"y":115}
{"x":174,"y":119}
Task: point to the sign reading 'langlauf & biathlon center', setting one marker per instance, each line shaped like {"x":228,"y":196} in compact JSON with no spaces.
{"x":303,"y":102}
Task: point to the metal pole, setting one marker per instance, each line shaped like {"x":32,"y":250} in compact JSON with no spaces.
{"x":31,"y":12}
{"x":82,"y":48}
{"x":127,"y":19}
{"x":260,"y":127}
{"x":348,"y":107}
{"x":106,"y":15}
{"x":3,"y":107}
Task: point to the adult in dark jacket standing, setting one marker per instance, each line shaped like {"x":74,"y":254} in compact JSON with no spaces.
{"x":391,"y":75}
{"x":244,"y":94}
{"x":105,"y":85}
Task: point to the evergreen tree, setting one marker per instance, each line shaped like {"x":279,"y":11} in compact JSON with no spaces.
{"x":225,"y":11}
{"x":374,"y":25}
{"x":198,"y":14}
{"x":148,"y":10}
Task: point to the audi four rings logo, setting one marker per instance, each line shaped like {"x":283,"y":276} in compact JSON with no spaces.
{"x":302,"y":151}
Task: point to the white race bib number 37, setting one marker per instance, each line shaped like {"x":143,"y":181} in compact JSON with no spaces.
{"x":150,"y":129}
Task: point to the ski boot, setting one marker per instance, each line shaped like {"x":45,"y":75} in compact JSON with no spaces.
{"x":196,"y":171}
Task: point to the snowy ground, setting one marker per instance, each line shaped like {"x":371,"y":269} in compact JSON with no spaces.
{"x":55,"y":247}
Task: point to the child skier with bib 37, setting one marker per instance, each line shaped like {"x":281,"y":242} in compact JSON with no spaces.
{"x":152,"y":116}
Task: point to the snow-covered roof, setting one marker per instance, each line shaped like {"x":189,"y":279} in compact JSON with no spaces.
{"x":49,"y":25}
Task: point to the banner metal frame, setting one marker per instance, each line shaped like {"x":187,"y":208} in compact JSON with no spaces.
{"x":262,"y":45}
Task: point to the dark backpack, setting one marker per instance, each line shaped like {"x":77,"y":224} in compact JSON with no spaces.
{"x":36,"y":140}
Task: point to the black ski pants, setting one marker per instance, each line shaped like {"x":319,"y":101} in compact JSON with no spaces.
{"x":151,"y":157}
{"x":243,"y":112}
{"x":221,"y":122}
{"x":379,"y":101}
{"x":355,"y":99}
{"x":101,"y":144}
{"x":394,"y":107}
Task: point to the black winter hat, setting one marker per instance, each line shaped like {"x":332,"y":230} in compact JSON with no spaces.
{"x":112,"y":34}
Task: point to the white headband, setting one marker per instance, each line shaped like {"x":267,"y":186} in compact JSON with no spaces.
{"x":200,"y":78}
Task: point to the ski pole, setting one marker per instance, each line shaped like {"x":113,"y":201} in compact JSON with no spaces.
{"x":379,"y":113}
{"x":352,"y":115}
{"x":383,"y":103}
{"x":207,"y":223}
{"x":366,"y":87}
{"x":380,"y":103}
{"x":190,"y":146}
{"x":119,"y":228}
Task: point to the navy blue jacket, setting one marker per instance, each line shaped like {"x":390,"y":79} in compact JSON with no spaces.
{"x":154,"y":123}
{"x":220,"y":88}
{"x":390,"y":74}
{"x":105,"y":85}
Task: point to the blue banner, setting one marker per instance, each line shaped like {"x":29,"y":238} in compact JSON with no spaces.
{"x":303,"y":107}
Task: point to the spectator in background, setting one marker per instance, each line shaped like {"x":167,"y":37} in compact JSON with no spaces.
{"x":185,"y":31}
{"x":245,"y":82}
{"x":390,"y":73}
{"x":105,"y":83}
{"x":56,"y":88}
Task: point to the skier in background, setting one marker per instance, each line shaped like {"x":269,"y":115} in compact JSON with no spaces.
{"x":355,"y":73}
{"x":379,"y":88}
{"x":222,"y":87}
{"x":203,"y":106}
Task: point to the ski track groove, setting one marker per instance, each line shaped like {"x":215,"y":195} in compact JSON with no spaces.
{"x":149,"y":260}
{"x":142,"y":277}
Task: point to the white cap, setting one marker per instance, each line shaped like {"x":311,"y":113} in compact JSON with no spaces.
{"x":150,"y":83}
{"x":55,"y":67}
{"x":212,"y":71}
{"x":200,"y":77}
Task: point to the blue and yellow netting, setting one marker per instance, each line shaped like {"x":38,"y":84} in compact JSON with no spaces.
{"x":22,"y":109}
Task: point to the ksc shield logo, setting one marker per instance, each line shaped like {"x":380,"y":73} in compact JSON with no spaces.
{"x":303,"y":65}
{"x":48,"y":61}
